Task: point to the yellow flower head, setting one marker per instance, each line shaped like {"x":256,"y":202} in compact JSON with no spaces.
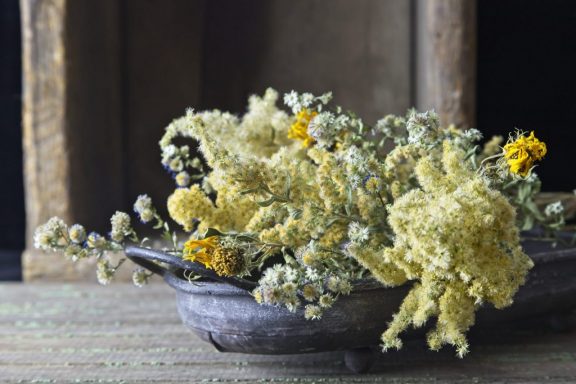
{"x":209,"y":251}
{"x":227,"y":261}
{"x":299,"y":130}
{"x":523,"y":152}
{"x":201,"y":250}
{"x":257,"y":293}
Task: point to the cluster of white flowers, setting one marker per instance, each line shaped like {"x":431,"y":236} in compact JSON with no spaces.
{"x":278,"y":286}
{"x":554,"y":209}
{"x":472,"y":135}
{"x":144,"y":208}
{"x":358,"y":233}
{"x":121,"y":226}
{"x":77,"y":234}
{"x":140,"y":277}
{"x":326,"y":126}
{"x":76,"y":244}
{"x":357,"y":163}
{"x":104,"y":271}
{"x":49,"y":236}
{"x":308,"y":280}
{"x":423,"y":128}
{"x":177,"y":160}
{"x":96,"y":241}
{"x":298,"y":102}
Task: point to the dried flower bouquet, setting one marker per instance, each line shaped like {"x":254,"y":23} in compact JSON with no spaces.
{"x":309,"y":201}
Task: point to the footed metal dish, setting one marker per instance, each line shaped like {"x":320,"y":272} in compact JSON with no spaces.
{"x":223,"y":312}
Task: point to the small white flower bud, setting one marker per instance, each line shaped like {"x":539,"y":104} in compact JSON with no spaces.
{"x":140,"y":277}
{"x":73,"y":252}
{"x":554,"y":209}
{"x":182,"y":179}
{"x":176,"y":165}
{"x":77,"y":234}
{"x":121,"y":226}
{"x":144,"y":208}
{"x":95,"y":241}
{"x":104,"y":272}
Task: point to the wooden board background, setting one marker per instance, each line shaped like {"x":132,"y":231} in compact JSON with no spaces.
{"x":102,"y":79}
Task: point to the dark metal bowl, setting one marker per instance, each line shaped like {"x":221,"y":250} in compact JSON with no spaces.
{"x":225,"y":314}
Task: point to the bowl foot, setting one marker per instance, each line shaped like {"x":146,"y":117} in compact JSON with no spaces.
{"x":359,"y":360}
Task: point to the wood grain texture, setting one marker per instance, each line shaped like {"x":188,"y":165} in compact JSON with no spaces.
{"x":45,"y":142}
{"x":103,"y":78}
{"x":71,"y":122}
{"x":85,"y":333}
{"x":101,"y":81}
{"x":360,"y":50}
{"x":446,"y":59}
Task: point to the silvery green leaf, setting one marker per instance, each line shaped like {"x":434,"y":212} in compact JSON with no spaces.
{"x":212,"y":232}
{"x":268,"y":202}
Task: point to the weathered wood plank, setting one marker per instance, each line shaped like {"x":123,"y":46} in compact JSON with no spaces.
{"x":71,"y":122}
{"x":46,"y":165}
{"x":97,"y":98}
{"x":86,"y":333}
{"x":361,"y":51}
{"x":446,"y":59}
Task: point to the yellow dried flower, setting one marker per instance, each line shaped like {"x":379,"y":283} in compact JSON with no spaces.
{"x":309,"y":258}
{"x":299,"y":130}
{"x":456,"y":236}
{"x":257,"y":293}
{"x":188,"y":205}
{"x":201,"y":250}
{"x":523,"y":152}
{"x":227,"y":261}
{"x":334,"y":235}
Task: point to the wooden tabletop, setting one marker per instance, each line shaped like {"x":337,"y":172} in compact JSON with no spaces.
{"x":82,"y":333}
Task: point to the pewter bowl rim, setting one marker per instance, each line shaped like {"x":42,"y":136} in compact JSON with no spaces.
{"x":207,"y":287}
{"x":210,"y":287}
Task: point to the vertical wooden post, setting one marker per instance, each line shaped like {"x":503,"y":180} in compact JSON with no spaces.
{"x":446,"y":59}
{"x":46,"y":170}
{"x":71,"y":122}
{"x":102,"y":79}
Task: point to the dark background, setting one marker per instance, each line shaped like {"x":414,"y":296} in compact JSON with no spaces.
{"x":11,"y":185}
{"x":526,"y":79}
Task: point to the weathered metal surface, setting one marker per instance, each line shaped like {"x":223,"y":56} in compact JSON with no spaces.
{"x":85,"y":333}
{"x":232,"y":321}
{"x":229,"y":318}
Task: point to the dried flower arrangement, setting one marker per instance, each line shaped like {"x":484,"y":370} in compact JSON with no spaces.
{"x":309,"y":201}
